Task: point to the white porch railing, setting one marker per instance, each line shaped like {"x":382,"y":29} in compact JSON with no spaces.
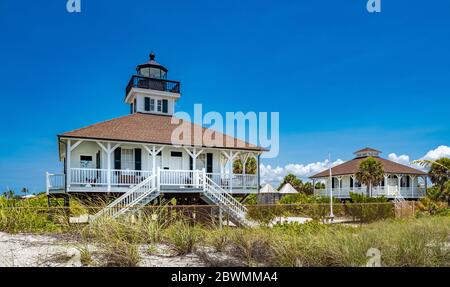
{"x":81,"y":178}
{"x":89,"y":176}
{"x":392,"y":191}
{"x":237,"y":181}
{"x":181,"y":178}
{"x":128,"y":177}
{"x":55,"y":182}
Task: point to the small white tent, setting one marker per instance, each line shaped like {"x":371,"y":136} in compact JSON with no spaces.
{"x":268,"y":189}
{"x":288,"y":189}
{"x":268,"y":195}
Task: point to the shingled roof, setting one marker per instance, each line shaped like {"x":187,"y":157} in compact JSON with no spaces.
{"x":352,"y":166}
{"x":155,"y":129}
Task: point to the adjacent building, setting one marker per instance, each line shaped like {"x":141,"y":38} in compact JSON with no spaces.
{"x":399,"y":181}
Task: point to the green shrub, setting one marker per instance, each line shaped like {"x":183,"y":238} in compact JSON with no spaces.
{"x":116,"y":241}
{"x":369,"y":209}
{"x":264,"y":214}
{"x":182,"y":237}
{"x":252,"y":246}
{"x":30,"y":215}
{"x":429,"y":206}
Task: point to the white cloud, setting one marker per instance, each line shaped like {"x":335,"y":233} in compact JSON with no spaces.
{"x":402,"y":159}
{"x":439,"y":152}
{"x":274,"y":175}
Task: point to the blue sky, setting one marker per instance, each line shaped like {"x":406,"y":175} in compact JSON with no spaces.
{"x":340,"y":77}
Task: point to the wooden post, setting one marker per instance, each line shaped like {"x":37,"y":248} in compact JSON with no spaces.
{"x":68,"y":160}
{"x":386,"y":185}
{"x":108,"y":164}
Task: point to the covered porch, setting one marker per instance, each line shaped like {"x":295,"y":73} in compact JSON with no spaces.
{"x":408,"y":186}
{"x":111,"y":166}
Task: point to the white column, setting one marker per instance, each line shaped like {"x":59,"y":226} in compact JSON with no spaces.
{"x":230,"y":158}
{"x":386,"y":184}
{"x":68,"y":164}
{"x":158,"y":178}
{"x":339,"y":178}
{"x":154,"y":153}
{"x":411,"y":183}
{"x":193,"y":154}
{"x":399,"y":177}
{"x":108,"y":166}
{"x":244,"y":159}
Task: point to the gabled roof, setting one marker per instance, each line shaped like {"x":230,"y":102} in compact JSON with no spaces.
{"x":288,"y":189}
{"x":156,"y":129}
{"x":268,"y":189}
{"x":352,"y":166}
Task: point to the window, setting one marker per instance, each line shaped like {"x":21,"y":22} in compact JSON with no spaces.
{"x":164,"y":106}
{"x":127,"y":159}
{"x":85,"y":161}
{"x":176,"y":154}
{"x":134,"y":110}
{"x":147,"y":104}
{"x":152,"y":104}
{"x":159,"y":107}
{"x":145,"y":72}
{"x":131,"y":108}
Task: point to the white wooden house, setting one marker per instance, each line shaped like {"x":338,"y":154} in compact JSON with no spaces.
{"x":400,"y":181}
{"x":136,"y":157}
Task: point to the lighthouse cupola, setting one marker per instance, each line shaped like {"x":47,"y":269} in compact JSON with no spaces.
{"x":152,"y":69}
{"x":149,"y":90}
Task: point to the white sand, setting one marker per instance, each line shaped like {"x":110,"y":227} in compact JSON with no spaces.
{"x":30,"y":250}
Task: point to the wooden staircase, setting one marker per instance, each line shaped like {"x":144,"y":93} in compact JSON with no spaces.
{"x":149,"y":189}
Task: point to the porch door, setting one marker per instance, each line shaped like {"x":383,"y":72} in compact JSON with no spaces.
{"x":98,"y":166}
{"x":98,"y":161}
{"x":176,"y":160}
{"x":209,"y":163}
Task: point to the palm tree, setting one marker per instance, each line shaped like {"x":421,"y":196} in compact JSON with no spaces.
{"x":9,"y":194}
{"x":439,"y":175}
{"x":293,"y":180}
{"x":370,"y":172}
{"x":250,"y":166}
{"x":25,"y":190}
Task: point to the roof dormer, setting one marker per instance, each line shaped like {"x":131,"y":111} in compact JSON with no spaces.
{"x":365,"y":152}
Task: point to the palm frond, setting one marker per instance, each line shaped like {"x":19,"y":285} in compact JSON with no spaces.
{"x":428,"y":163}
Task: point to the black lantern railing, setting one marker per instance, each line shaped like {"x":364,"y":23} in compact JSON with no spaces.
{"x":142,"y":82}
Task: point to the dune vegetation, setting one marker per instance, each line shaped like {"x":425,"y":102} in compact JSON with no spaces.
{"x":422,"y":240}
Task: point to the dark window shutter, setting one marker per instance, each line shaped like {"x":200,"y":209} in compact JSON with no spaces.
{"x":165,"y":106}
{"x":147,"y":104}
{"x":209,"y":162}
{"x":137,"y":159}
{"x":98,"y":160}
{"x":118,"y":158}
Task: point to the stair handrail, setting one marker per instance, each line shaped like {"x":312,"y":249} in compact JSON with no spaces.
{"x":228,"y":197}
{"x":125,"y":195}
{"x":230,"y":201}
